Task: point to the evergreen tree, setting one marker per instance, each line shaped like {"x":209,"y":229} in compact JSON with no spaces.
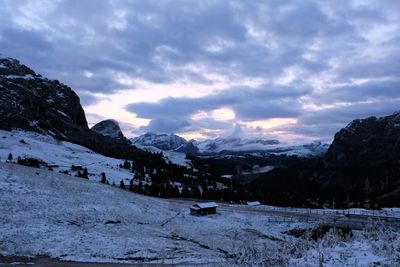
{"x":85,"y":173}
{"x":103,"y":178}
{"x":176,"y":191}
{"x":154,"y":190}
{"x":185,"y":191}
{"x":10,"y":157}
{"x":131,"y":185}
{"x":204,"y":194}
{"x":127,"y":165}
{"x":140,"y":188}
{"x":195,"y":191}
{"x":122,"y":185}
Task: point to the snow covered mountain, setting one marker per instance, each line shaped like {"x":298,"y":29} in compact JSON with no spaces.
{"x":306,"y":150}
{"x":166,"y":142}
{"x":161,"y":141}
{"x":235,"y":144}
{"x":108,"y":128}
{"x":225,"y":146}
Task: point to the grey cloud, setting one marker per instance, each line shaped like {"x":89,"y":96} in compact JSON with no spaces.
{"x":166,"y":125}
{"x":281,"y":99}
{"x":248,"y":103}
{"x":323,"y":124}
{"x":368,"y":91}
{"x":154,"y":40}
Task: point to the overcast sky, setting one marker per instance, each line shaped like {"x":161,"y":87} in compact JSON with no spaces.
{"x":293,"y":70}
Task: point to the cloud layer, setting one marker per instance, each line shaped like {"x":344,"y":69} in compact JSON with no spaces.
{"x":208,"y":68}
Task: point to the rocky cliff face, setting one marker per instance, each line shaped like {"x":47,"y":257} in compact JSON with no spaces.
{"x":108,"y":128}
{"x":366,"y":142}
{"x":29,"y":101}
{"x":360,"y":169}
{"x":33,"y":103}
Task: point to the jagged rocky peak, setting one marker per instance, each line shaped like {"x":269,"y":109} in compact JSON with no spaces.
{"x":108,"y":128}
{"x":31,"y":102}
{"x":366,"y":142}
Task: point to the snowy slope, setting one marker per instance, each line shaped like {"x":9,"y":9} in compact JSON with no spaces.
{"x":47,"y":213}
{"x":64,"y":154}
{"x":172,"y":156}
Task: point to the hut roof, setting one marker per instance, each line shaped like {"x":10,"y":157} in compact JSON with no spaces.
{"x":253,"y":203}
{"x":205,"y":205}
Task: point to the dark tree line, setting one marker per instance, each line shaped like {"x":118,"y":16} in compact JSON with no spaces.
{"x":175,"y":181}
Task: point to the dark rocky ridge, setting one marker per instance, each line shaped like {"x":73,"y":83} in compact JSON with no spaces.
{"x":29,"y":101}
{"x":360,"y":169}
{"x":366,"y":142}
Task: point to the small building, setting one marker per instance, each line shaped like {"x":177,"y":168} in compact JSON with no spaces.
{"x":203,"y":208}
{"x":253,"y":203}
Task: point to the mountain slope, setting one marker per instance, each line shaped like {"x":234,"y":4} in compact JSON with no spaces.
{"x":29,"y":101}
{"x":57,"y":224}
{"x":366,"y":142}
{"x":25,"y":101}
{"x":33,"y":103}
{"x":47,"y":213}
{"x":361,"y":169}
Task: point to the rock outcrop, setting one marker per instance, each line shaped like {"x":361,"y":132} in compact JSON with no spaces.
{"x":366,"y":142}
{"x":108,"y":128}
{"x":29,"y":101}
{"x":360,"y":169}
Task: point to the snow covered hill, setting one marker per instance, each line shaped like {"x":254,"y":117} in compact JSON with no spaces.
{"x":62,"y":155}
{"x":47,"y":213}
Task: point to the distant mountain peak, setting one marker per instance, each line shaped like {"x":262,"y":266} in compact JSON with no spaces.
{"x":108,"y":127}
{"x":235,"y":144}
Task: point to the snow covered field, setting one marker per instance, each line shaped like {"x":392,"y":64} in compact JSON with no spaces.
{"x":47,"y":213}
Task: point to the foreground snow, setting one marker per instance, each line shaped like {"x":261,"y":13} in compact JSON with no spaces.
{"x":47,"y":213}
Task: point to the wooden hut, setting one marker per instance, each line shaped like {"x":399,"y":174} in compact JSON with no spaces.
{"x":204,"y":208}
{"x":253,"y":203}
